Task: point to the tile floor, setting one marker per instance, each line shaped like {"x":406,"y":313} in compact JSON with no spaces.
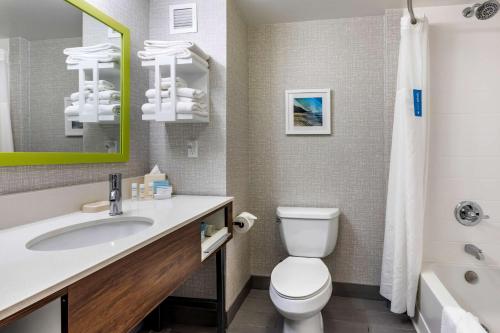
{"x":341,"y":315}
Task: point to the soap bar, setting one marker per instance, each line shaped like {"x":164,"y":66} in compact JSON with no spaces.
{"x":94,"y":207}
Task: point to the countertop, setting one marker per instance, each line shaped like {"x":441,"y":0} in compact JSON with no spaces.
{"x":28,"y":276}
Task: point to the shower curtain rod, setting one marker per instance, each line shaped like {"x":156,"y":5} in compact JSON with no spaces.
{"x":412,"y":14}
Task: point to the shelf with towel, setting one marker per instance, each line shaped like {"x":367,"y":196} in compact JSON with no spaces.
{"x":212,"y":243}
{"x":100,"y":66}
{"x":172,"y":75}
{"x":89,"y":111}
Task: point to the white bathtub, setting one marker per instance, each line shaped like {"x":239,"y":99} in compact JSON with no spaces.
{"x":444,"y":285}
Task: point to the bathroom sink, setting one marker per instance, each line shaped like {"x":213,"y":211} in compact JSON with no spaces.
{"x":89,"y":233}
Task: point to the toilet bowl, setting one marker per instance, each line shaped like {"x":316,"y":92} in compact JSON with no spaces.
{"x":301,"y":285}
{"x":300,"y":288}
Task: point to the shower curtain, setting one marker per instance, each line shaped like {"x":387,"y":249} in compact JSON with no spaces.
{"x":6,"y":140}
{"x":402,"y":259}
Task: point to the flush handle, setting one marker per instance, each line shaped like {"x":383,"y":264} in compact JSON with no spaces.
{"x":469,"y":213}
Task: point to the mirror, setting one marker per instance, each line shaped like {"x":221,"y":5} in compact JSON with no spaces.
{"x":63,"y":84}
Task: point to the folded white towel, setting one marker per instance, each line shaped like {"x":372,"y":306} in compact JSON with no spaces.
{"x":166,"y":83}
{"x":76,"y":95}
{"x":105,"y":52}
{"x":182,"y":107}
{"x":109,"y":109}
{"x":101,"y":101}
{"x":104,"y":94}
{"x":102,"y":57}
{"x":457,"y":320}
{"x":150,"y":93}
{"x":174,"y":45}
{"x":191,"y":93}
{"x":91,"y":49}
{"x":72,"y":110}
{"x":101,"y":85}
{"x":181,"y":91}
{"x":179,"y":54}
{"x":179,"y":99}
{"x":107,"y":94}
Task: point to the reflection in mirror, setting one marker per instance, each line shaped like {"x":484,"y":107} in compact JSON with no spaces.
{"x":59,"y":79}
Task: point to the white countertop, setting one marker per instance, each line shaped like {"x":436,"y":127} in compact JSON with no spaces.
{"x":28,"y":276}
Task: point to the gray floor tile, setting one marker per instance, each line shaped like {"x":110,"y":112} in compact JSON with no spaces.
{"x":341,"y":315}
{"x":339,"y":326}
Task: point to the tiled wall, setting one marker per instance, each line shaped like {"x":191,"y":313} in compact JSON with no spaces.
{"x":19,"y":80}
{"x":49,"y":83}
{"x":134,"y":14}
{"x":345,"y":169}
{"x":39,"y":82}
{"x":464,"y":135}
{"x":238,"y":169}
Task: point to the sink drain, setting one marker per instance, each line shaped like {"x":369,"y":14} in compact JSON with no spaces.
{"x":471,"y":277}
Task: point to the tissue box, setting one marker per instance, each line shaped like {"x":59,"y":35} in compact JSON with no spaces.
{"x":150,"y":178}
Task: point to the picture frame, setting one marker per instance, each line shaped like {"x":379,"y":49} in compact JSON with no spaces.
{"x":308,"y":112}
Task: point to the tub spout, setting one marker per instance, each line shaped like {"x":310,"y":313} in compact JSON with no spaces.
{"x":473,"y":250}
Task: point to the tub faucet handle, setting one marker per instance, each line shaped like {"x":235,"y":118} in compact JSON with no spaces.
{"x":469,"y":213}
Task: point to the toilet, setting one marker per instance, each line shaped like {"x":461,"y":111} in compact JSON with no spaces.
{"x":301,"y":284}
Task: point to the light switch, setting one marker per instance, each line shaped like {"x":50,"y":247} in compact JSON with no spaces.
{"x":193,"y":149}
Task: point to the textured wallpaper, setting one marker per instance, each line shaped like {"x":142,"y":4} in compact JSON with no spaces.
{"x":238,"y":169}
{"x":345,"y":169}
{"x":134,"y":14}
{"x":168,"y":143}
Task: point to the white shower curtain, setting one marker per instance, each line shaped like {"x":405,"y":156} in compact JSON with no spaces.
{"x":6,"y":140}
{"x":402,"y":259}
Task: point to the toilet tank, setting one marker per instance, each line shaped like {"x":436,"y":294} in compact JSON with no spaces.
{"x":309,"y":232}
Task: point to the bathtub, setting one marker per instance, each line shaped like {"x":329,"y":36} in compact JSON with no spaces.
{"x":444,"y":285}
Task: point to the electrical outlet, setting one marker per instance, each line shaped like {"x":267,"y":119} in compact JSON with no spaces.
{"x":193,"y":149}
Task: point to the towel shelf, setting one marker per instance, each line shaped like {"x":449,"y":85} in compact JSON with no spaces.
{"x":212,"y":243}
{"x":193,"y":70}
{"x":91,"y":114}
{"x":100,"y":66}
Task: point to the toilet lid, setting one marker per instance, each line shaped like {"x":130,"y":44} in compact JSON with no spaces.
{"x":299,"y":278}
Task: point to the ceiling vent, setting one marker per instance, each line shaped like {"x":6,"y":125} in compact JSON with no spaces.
{"x":183,"y":18}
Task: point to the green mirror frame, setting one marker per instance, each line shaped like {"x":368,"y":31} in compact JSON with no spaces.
{"x":45,"y":158}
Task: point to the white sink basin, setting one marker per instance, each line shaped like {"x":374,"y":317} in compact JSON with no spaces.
{"x":89,"y":233}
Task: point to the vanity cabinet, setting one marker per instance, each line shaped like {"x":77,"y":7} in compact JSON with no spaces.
{"x":117,"y":297}
{"x":120,"y":295}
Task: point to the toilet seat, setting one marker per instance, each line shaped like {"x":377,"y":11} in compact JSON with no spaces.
{"x":298,"y":278}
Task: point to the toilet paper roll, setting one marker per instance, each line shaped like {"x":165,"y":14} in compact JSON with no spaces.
{"x":246,"y":221}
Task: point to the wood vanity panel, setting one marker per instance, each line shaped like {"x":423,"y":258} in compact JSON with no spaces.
{"x":117,"y":297}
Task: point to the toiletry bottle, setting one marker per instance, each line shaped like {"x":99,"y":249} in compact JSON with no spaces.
{"x":151,"y":191}
{"x":134,"y":195}
{"x":142,"y":191}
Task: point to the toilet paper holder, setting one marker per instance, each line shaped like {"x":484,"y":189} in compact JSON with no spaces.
{"x":240,"y":220}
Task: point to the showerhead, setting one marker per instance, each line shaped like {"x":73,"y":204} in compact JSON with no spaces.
{"x":487,"y":10}
{"x":483,"y":11}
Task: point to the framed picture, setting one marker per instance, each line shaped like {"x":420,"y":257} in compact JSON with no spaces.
{"x":308,"y":111}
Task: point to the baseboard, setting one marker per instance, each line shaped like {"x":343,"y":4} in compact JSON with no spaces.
{"x":339,"y":288}
{"x":233,"y":309}
{"x":261,"y":282}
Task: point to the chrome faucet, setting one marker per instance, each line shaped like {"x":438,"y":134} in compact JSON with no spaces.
{"x":115,"y":194}
{"x":473,"y":250}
